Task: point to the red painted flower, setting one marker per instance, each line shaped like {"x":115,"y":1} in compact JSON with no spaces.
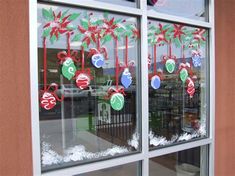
{"x":58,"y":25}
{"x":178,"y":31}
{"x":109,"y":27}
{"x":161,"y":36}
{"x":199,"y":34}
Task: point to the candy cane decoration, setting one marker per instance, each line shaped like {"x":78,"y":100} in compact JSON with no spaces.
{"x":48,"y":95}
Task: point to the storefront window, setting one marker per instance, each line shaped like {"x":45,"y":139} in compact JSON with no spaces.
{"x":88,"y":83}
{"x":193,"y":9}
{"x":178,"y":86}
{"x":191,"y":162}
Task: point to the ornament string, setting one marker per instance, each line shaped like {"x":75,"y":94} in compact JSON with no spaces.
{"x":83,"y":60}
{"x":116,"y":61}
{"x":68,"y":43}
{"x":44,"y":63}
{"x":155,"y":59}
{"x":126,"y":54}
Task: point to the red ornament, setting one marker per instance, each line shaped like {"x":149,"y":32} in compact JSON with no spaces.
{"x":47,"y":101}
{"x":83,"y":80}
{"x":190,"y":87}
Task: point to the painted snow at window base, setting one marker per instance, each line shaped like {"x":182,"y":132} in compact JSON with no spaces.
{"x":88,"y":79}
{"x":177,"y":83}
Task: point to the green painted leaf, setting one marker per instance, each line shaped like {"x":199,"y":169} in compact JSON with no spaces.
{"x":106,"y":15}
{"x":64,"y":13}
{"x":46,"y":32}
{"x":99,"y":22}
{"x":84,"y":23}
{"x":107,"y":38}
{"x":47,"y":15}
{"x":84,"y":45}
{"x":53,"y":38}
{"x":77,"y":37}
{"x":71,"y":27}
{"x":73,"y":16}
{"x":177,"y":42}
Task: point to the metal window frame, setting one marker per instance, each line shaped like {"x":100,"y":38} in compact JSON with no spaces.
{"x":145,"y":154}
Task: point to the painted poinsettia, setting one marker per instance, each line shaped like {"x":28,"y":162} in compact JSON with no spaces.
{"x":57,"y":24}
{"x":90,"y":29}
{"x":159,"y":34}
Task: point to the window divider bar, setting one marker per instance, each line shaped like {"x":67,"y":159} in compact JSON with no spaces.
{"x":177,"y":19}
{"x":212,"y":87}
{"x":144,"y":88}
{"x":180,"y":147}
{"x":100,"y":6}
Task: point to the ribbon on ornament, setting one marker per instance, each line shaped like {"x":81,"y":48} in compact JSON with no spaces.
{"x":83,"y":77}
{"x":67,"y":60}
{"x":48,"y":95}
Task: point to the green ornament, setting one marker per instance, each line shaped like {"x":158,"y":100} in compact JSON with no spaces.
{"x":170,"y":65}
{"x":117,"y":101}
{"x":68,"y":68}
{"x":183,"y":75}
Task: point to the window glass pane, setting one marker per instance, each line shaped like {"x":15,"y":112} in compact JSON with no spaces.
{"x":87,"y":104}
{"x":191,"y":162}
{"x":127,"y":169}
{"x":178,"y":86}
{"x":127,"y":3}
{"x":193,"y":9}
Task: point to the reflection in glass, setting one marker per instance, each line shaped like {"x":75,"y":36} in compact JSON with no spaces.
{"x":193,"y":9}
{"x":177,"y":83}
{"x":83,"y":127}
{"x":127,"y":170}
{"x":191,"y":162}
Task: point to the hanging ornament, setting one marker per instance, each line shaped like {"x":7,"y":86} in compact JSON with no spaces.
{"x":48,"y":95}
{"x":196,"y":58}
{"x":155,"y":82}
{"x":97,"y":60}
{"x":170,"y":60}
{"x":184,"y":69}
{"x":117,"y":101}
{"x":170,"y":65}
{"x":116,"y":95}
{"x":183,"y":74}
{"x":83,"y":80}
{"x":190,"y":87}
{"x":83,"y":77}
{"x":155,"y":77}
{"x":126,"y":78}
{"x":67,"y":60}
{"x":68,"y":68}
{"x":47,"y":101}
